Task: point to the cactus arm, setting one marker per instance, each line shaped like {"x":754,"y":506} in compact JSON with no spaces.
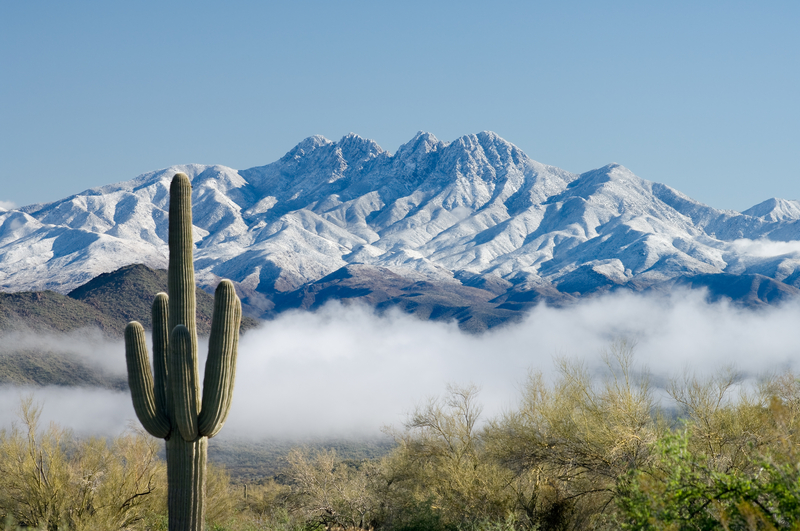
{"x":221,"y":363}
{"x":183,"y":380}
{"x":141,"y":383}
{"x":180,"y":278}
{"x":160,"y":350}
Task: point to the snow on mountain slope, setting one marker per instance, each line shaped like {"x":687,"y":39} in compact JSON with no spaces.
{"x":775,"y":210}
{"x":433,"y":210}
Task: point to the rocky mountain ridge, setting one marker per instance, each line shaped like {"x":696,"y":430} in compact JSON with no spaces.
{"x":471,"y":213}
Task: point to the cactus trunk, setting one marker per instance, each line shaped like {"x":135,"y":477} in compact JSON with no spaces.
{"x":186,"y":476}
{"x":168,"y":403}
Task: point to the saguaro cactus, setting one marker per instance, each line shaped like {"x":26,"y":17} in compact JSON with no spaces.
{"x":168,"y":405}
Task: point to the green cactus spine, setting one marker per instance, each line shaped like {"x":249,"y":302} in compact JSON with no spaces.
{"x":168,"y":401}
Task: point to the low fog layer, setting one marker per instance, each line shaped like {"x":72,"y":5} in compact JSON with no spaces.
{"x":345,"y":372}
{"x":764,"y":247}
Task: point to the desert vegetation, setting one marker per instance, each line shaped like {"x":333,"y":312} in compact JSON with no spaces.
{"x":584,"y":450}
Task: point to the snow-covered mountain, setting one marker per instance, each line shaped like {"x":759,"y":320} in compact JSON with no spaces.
{"x":476,"y":208}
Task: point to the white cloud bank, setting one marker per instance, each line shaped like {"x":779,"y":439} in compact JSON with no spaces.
{"x":764,"y":248}
{"x":7,"y":205}
{"x":344,"y":371}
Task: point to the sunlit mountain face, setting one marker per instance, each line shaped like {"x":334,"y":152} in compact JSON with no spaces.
{"x":475,"y":222}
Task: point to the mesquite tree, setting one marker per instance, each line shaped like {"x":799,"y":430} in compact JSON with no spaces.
{"x":167,"y":401}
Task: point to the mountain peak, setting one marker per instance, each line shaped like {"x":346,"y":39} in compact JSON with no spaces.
{"x":490,"y":137}
{"x":610,"y":172}
{"x":615,"y":167}
{"x":306,"y":146}
{"x":775,"y":209}
{"x":355,"y":146}
{"x":355,"y":138}
{"x":422,"y":144}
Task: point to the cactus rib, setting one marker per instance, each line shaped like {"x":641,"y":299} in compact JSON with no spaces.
{"x":180,"y":275}
{"x":183,"y":381}
{"x":160,"y":313}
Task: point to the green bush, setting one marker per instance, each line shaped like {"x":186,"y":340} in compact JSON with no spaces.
{"x":440,"y":473}
{"x":733,"y":465}
{"x":51,"y":480}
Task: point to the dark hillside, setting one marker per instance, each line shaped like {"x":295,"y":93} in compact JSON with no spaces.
{"x":52,"y":312}
{"x":107,"y":303}
{"x":128,"y":293}
{"x":751,"y":291}
{"x":33,"y":368}
{"x":380,"y":288}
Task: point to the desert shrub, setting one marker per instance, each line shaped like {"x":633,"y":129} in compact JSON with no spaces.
{"x":439,"y":475}
{"x":726,"y":425}
{"x":568,"y":442}
{"x":732,"y":463}
{"x":266,"y":506}
{"x":51,"y":480}
{"x":685,"y":490}
{"x":331,"y":493}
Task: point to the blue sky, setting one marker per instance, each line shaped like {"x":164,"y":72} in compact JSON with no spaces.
{"x":702,"y":96}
